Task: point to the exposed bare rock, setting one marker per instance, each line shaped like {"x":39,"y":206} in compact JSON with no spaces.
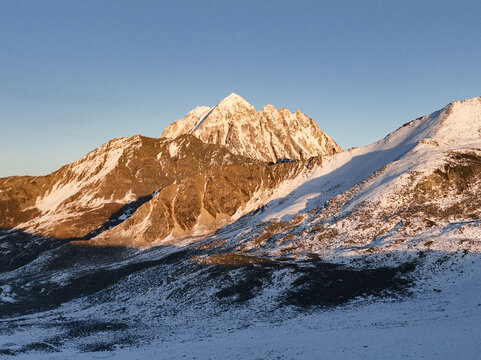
{"x":200,"y":204}
{"x":81,"y":196}
{"x":267,"y":135}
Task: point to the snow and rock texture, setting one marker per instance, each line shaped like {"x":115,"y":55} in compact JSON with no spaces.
{"x":354,"y":256}
{"x":79,"y":197}
{"x":200,"y":204}
{"x":417,"y":189}
{"x":267,"y":135}
{"x":161,"y":188}
{"x":443,"y":323}
{"x":87,"y":302}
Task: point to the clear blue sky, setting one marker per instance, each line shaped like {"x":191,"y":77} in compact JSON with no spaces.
{"x":74,"y":74}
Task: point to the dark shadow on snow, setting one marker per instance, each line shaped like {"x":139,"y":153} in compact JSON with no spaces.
{"x":113,"y":275}
{"x":67,"y":272}
{"x":18,"y":248}
{"x":120,"y":216}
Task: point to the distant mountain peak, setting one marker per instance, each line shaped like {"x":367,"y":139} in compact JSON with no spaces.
{"x":199,"y":111}
{"x":269,"y":108}
{"x":233,"y":101}
{"x":267,"y":135}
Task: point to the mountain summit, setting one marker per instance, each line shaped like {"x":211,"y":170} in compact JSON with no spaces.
{"x":234,"y":101}
{"x":267,"y":135}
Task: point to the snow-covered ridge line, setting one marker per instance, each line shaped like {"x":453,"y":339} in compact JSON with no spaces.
{"x":88,"y":170}
{"x":230,"y":101}
{"x":365,"y":194}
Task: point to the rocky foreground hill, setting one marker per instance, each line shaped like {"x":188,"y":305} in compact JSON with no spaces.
{"x":202,"y":231}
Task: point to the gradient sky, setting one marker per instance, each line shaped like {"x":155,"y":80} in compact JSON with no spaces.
{"x":74,"y":74}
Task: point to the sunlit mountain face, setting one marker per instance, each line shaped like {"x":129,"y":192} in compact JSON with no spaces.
{"x":237,"y":223}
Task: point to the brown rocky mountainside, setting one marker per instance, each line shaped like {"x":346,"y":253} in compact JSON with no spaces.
{"x":201,"y":174}
{"x":201,"y":204}
{"x":81,"y":196}
{"x":268,"y":135}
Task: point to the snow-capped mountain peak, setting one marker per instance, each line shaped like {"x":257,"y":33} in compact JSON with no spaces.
{"x":199,"y":238}
{"x":462,"y":122}
{"x":267,"y":135}
{"x":233,"y":102}
{"x":199,"y":112}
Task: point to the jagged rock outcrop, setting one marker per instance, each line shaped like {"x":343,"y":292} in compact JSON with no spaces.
{"x":267,"y":135}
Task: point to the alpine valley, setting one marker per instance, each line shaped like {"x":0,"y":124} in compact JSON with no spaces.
{"x":250,"y":234}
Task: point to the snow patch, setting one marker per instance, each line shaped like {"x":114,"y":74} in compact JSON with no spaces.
{"x":173,"y":149}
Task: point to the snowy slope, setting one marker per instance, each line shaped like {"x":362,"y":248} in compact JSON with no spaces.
{"x":179,"y":309}
{"x":189,"y":122}
{"x":434,"y":325}
{"x":415,"y":189}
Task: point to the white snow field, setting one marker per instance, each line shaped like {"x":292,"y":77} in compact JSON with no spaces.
{"x":442,"y":320}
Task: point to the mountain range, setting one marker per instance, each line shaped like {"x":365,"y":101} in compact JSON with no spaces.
{"x":229,"y":209}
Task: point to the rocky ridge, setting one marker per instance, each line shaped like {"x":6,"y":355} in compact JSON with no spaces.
{"x":79,"y":197}
{"x":108,"y":185}
{"x":266,"y":135}
{"x":201,"y":204}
